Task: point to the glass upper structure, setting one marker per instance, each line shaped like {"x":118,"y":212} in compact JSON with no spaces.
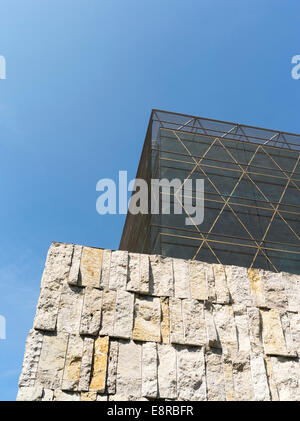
{"x":251,"y":193}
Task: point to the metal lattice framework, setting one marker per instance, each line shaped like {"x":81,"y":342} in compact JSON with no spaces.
{"x":252,"y":196}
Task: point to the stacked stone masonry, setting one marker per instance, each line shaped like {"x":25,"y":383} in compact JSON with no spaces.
{"x":112,"y":325}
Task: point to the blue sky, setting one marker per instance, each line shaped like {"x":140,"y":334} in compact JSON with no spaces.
{"x":82,"y":78}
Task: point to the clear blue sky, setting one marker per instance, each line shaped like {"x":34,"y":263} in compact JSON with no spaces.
{"x":82,"y":77}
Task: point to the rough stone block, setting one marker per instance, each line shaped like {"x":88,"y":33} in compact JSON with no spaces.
{"x":108,"y":312}
{"x":238,"y":285}
{"x":75,"y":266}
{"x":90,"y":267}
{"x":198,"y":284}
{"x":222,"y":292}
{"x":259,"y":378}
{"x":118,"y":270}
{"x":33,"y":349}
{"x":176,"y":321}
{"x":105,"y":271}
{"x":91,"y":312}
{"x":273,"y":338}
{"x":167,"y":371}
{"x":191,"y":381}
{"x":138,"y":273}
{"x":256,"y":288}
{"x":52,"y":360}
{"x":149,"y":370}
{"x":165,"y":320}
{"x":86,"y":364}
{"x":215,"y":376}
{"x":181,"y":278}
{"x":161,"y":276}
{"x":98,"y":379}
{"x":70,"y":308}
{"x":129,"y":381}
{"x":71,"y":373}
{"x":193,"y":322}
{"x":147,"y":319}
{"x":112,"y":367}
{"x":124,"y":315}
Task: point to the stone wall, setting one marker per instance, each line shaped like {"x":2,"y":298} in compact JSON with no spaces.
{"x":112,"y":325}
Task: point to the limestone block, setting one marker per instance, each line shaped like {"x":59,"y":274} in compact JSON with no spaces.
{"x":88,"y":396}
{"x":99,"y":364}
{"x":165,"y":320}
{"x":58,"y":264}
{"x":59,"y":395}
{"x":242,"y":327}
{"x":108,"y":312}
{"x":71,"y":373}
{"x":138,"y":273}
{"x":147,"y":319}
{"x":48,"y":395}
{"x":75,"y":266}
{"x":256,"y":288}
{"x":90,"y":267}
{"x":91,"y":312}
{"x":289,"y":342}
{"x":273,"y":338}
{"x":33,"y":393}
{"x":211,"y":331}
{"x":144,"y":274}
{"x":294,"y":319}
{"x":271,"y":380}
{"x":210,"y":281}
{"x":243,"y":388}
{"x":52,"y":359}
{"x":124,"y":315}
{"x":222,"y":291}
{"x":181,"y":278}
{"x":274,"y":289}
{"x":161,"y":276}
{"x":129,"y":382}
{"x":255,"y":330}
{"x":55,"y":273}
{"x":149,"y":370}
{"x":167,"y":371}
{"x":259,"y":378}
{"x":193,"y":322}
{"x":33,"y":349}
{"x":292,"y":290}
{"x":70,"y":308}
{"x":105,"y":271}
{"x":112,"y":366}
{"x":287,"y":378}
{"x":228,"y":375}
{"x":198,"y":285}
{"x":86,"y":364}
{"x":118,"y":270}
{"x":238,"y":285}
{"x":176,"y":321}
{"x":133,"y":283}
{"x":215,"y":376}
{"x":225,"y":324}
{"x":47,"y":310}
{"x":191,"y":382}
{"x":102,"y":398}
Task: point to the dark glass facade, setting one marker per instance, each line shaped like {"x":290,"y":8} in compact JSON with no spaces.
{"x":251,"y":193}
